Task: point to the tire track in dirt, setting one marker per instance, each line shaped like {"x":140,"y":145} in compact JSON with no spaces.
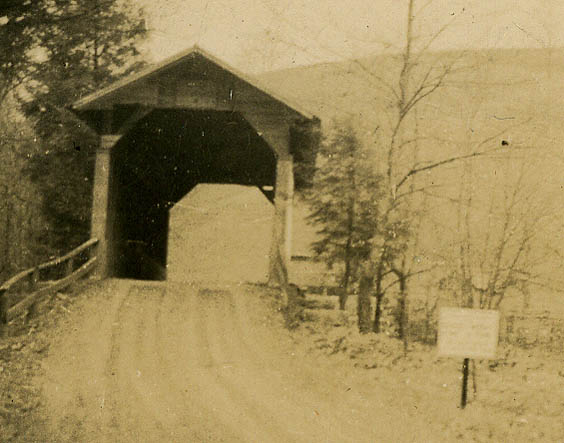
{"x":232,"y":405}
{"x":219,"y":341}
{"x":259,"y":378}
{"x":111,"y":411}
{"x":321,"y":405}
{"x":136,"y":373}
{"x":129,"y":411}
{"x":249,"y":380}
{"x":114,"y":412}
{"x":184,"y":374}
{"x":249,"y":396}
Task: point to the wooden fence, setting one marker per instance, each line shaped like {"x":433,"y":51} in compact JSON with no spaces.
{"x":25,"y":289}
{"x":533,"y":330}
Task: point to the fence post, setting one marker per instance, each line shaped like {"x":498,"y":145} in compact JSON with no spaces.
{"x":94,"y":250}
{"x":3,"y":311}
{"x":69,"y":268}
{"x":33,"y":279}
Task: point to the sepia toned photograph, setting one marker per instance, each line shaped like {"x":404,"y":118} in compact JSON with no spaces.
{"x":281,"y":221}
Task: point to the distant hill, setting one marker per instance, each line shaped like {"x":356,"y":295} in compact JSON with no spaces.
{"x":491,"y":90}
{"x":532,"y":76}
{"x":507,"y":96}
{"x":520,"y":91}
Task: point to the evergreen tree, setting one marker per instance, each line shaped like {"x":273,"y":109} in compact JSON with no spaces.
{"x":18,"y":21}
{"x":83,"y":46}
{"x":344,"y":202}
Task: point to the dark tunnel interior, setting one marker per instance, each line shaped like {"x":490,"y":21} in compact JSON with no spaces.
{"x":160,"y":160}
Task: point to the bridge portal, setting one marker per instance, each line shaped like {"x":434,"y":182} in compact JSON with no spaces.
{"x":189,"y":120}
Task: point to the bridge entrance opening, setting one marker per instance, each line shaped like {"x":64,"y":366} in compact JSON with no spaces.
{"x":162,"y":159}
{"x":220,"y":233}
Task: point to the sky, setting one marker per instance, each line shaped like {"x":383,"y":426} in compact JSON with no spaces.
{"x":262,"y":35}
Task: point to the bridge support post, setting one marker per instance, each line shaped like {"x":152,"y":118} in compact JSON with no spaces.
{"x":102,"y":210}
{"x":275,"y":130}
{"x":281,"y":250}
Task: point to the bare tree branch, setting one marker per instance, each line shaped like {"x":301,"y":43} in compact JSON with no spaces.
{"x":441,"y":163}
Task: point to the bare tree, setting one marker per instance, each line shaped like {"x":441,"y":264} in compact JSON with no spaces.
{"x":417,"y":79}
{"x":420,"y":75}
{"x":501,"y":249}
{"x":403,"y":93}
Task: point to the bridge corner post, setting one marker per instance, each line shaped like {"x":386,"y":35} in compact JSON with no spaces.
{"x":281,"y":250}
{"x":101,"y":217}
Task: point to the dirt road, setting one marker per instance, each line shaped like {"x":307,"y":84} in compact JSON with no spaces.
{"x":152,"y":363}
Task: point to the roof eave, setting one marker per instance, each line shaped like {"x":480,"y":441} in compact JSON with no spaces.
{"x":89,"y":102}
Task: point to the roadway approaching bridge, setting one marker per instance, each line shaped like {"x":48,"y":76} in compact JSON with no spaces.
{"x":198,"y":360}
{"x":166,"y":362}
{"x":188,"y":120}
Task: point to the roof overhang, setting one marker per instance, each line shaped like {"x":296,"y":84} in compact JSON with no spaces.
{"x":144,"y":88}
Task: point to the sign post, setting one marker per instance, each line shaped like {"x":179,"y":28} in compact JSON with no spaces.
{"x":465,"y":365}
{"x":468,"y":333}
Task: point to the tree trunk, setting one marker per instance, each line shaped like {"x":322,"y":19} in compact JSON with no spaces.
{"x":402,"y":314}
{"x":377,"y":312}
{"x":343,"y":296}
{"x":467,"y":296}
{"x":379,"y":299}
{"x":8,"y":236}
{"x":344,"y":289}
{"x":400,"y":317}
{"x":364,"y":307}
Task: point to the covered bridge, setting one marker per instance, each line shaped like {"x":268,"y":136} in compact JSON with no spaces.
{"x":188,"y":120}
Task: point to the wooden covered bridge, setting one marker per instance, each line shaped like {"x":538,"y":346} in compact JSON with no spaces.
{"x":187,"y":122}
{"x":191,"y":119}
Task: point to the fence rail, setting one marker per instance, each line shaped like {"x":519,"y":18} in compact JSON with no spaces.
{"x":26,"y":288}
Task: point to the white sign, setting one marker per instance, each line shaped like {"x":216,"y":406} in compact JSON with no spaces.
{"x":468,"y":333}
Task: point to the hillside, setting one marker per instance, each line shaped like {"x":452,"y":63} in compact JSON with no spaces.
{"x":531,"y":76}
{"x":490,"y":90}
{"x":492,"y":99}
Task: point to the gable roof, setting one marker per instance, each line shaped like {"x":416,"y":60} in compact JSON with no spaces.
{"x":89,"y":101}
